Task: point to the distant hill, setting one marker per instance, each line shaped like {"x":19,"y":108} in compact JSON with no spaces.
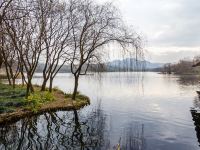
{"x":64,"y":69}
{"x":131,"y":64}
{"x":128,"y":64}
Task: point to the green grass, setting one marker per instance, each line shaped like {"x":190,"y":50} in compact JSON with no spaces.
{"x":79,"y":97}
{"x":10,"y":98}
{"x":35,"y":100}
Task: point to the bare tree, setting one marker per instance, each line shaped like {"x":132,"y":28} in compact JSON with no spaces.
{"x":167,"y":68}
{"x":55,"y":32}
{"x":7,"y":7}
{"x":26,"y":35}
{"x":94,"y":26}
{"x":4,"y":9}
{"x":4,"y":5}
{"x":8,"y":54}
{"x":196,"y":61}
{"x":11,"y":61}
{"x":56,"y":40}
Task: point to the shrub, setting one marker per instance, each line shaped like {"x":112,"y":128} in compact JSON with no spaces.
{"x":36,"y":99}
{"x":47,"y":96}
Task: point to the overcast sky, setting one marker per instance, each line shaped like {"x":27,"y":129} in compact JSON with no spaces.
{"x":170,"y":27}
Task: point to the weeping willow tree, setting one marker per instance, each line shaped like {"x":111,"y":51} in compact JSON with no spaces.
{"x":94,"y":26}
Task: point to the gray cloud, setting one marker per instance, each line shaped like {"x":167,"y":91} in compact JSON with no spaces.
{"x":165,"y":22}
{"x":171,"y":27}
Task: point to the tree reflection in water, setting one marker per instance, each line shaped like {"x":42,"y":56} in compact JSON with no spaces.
{"x":66,"y":130}
{"x":193,"y":80}
{"x":187,"y":80}
{"x":196,"y":116}
{"x":132,"y":138}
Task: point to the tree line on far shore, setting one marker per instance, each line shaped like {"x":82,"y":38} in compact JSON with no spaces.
{"x":55,"y":33}
{"x":184,"y":66}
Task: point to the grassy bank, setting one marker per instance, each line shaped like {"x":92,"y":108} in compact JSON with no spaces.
{"x":14,"y":105}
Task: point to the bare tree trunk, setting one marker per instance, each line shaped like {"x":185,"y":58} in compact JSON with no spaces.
{"x":1,"y":60}
{"x":43,"y":88}
{"x":23,"y":78}
{"x":22,"y":75}
{"x":13,"y":83}
{"x":12,"y":76}
{"x":50,"y":84}
{"x":22,"y":81}
{"x":29,"y":87}
{"x":75,"y":87}
{"x":8,"y":75}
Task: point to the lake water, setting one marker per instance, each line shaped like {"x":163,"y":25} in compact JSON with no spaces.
{"x":138,"y":111}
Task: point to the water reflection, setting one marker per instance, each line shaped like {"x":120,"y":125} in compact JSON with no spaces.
{"x":54,"y":131}
{"x":67,"y":130}
{"x":196,"y":116}
{"x":189,"y":80}
{"x":161,"y":103}
{"x":133,"y":138}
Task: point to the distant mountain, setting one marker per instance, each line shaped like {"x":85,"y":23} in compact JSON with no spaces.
{"x":64,"y":69}
{"x":150,"y":65}
{"x":131,"y":64}
{"x":128,"y":64}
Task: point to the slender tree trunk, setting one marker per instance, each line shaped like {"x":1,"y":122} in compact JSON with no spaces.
{"x":43,"y":88}
{"x":50,"y":84}
{"x":13,"y":83}
{"x":22,"y":80}
{"x":29,"y":87}
{"x":75,"y":87}
{"x":8,"y":75}
{"x":22,"y":75}
{"x":1,"y":60}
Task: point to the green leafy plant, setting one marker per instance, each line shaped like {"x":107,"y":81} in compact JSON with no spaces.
{"x":36,"y":99}
{"x":47,"y":96}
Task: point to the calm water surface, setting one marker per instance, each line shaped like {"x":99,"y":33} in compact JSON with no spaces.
{"x":138,"y":111}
